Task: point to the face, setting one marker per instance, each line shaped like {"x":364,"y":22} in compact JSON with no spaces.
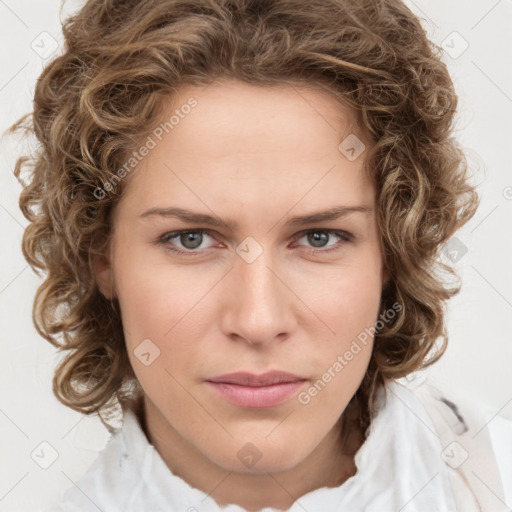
{"x":216,"y":273}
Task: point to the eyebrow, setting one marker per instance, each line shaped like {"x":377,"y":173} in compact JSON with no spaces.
{"x":212,"y":220}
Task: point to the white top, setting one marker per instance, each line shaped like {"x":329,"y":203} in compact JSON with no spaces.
{"x":401,"y":467}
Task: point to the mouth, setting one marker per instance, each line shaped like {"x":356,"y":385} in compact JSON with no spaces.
{"x":257,"y":391}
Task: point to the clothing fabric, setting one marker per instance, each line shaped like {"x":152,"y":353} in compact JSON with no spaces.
{"x":413,"y":460}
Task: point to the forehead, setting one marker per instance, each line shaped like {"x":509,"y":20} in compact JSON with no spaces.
{"x":250,"y":145}
{"x":259,"y":117}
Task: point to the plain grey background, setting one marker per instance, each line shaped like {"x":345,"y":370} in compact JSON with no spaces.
{"x":477,"y":40}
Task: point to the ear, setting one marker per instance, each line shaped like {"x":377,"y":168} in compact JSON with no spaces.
{"x":104,"y":273}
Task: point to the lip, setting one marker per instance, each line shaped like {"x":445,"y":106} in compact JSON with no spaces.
{"x":250,"y":379}
{"x":257,"y":391}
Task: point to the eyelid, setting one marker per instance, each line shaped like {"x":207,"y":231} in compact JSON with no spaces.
{"x":338,"y":232}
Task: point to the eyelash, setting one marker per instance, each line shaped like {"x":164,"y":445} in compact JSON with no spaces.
{"x":164,"y":240}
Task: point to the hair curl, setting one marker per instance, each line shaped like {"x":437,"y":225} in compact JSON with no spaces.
{"x":95,"y":102}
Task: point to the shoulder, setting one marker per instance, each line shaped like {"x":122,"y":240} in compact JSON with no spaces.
{"x":115,"y":475}
{"x":476,"y":441}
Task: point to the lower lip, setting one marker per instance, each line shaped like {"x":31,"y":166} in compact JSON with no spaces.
{"x":252,"y":396}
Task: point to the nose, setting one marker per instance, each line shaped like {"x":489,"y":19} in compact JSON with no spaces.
{"x":258,"y":305}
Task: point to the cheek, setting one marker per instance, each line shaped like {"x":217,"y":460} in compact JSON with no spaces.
{"x":358,"y":307}
{"x":350,"y":308}
{"x":346,"y":298}
{"x":347,"y":301}
{"x":153,"y":296}
{"x":167,"y":306}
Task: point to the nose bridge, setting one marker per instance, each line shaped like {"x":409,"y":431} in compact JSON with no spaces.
{"x":259,"y":307}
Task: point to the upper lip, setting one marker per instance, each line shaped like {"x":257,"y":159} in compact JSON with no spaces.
{"x":250,"y":379}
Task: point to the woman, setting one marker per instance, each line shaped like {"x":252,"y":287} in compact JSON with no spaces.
{"x":240,"y":207}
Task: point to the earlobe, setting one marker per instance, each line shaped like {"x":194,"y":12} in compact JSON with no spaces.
{"x":104,"y":275}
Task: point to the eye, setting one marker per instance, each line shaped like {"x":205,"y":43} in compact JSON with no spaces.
{"x":190,"y":240}
{"x":319,"y":239}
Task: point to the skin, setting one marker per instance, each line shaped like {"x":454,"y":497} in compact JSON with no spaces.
{"x":257,"y":156}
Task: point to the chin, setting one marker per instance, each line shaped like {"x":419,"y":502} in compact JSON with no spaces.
{"x":258,"y":458}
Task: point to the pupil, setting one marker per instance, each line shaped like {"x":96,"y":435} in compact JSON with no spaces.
{"x":318,"y":237}
{"x":189,"y":237}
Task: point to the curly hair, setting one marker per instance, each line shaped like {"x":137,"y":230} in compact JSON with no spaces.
{"x":95,"y":102}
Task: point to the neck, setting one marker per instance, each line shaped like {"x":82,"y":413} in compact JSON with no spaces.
{"x":329,"y":465}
